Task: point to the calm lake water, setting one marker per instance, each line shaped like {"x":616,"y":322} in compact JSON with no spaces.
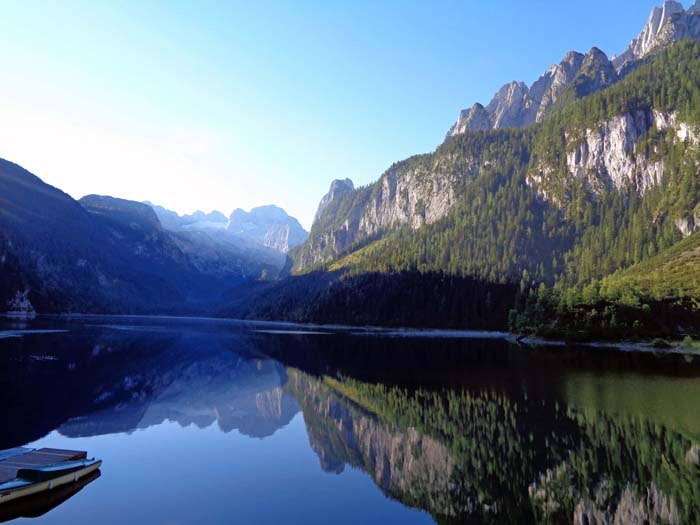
{"x":201,"y":421}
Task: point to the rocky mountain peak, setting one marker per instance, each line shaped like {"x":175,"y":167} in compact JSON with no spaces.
{"x":571,"y":58}
{"x":268,"y":225}
{"x":473,"y":119}
{"x":260,"y":215}
{"x":516,"y":105}
{"x":338,"y":187}
{"x":596,"y":54}
{"x":507,"y":106}
{"x":214,"y":216}
{"x":598,"y":69}
{"x":667,"y":24}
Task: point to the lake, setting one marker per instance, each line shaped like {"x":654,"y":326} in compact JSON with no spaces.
{"x":207,"y":421}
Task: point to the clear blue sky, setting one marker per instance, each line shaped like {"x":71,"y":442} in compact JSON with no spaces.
{"x":217,"y":105}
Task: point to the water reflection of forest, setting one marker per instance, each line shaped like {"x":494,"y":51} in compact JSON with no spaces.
{"x":481,"y":456}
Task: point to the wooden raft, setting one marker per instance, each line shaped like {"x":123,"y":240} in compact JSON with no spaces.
{"x":36,"y":458}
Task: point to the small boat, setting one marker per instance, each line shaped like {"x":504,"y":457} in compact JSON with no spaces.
{"x":42,"y":503}
{"x":26,"y":471}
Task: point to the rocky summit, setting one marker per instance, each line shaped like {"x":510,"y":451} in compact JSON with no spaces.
{"x":517,"y":105}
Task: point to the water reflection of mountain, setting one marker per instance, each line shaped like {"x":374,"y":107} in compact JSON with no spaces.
{"x":117,"y":381}
{"x":479,"y":456}
{"x":500,"y":435}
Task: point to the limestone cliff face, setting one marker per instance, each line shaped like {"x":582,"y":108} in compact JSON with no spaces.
{"x":414,"y":192}
{"x":507,"y":109}
{"x":609,"y":156}
{"x":614,"y":154}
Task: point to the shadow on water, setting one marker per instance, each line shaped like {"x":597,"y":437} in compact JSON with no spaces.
{"x":468,"y":430}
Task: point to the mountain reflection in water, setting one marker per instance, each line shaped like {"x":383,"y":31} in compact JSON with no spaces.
{"x":466,"y":430}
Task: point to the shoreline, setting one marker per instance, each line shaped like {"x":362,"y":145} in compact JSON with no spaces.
{"x":294,"y":328}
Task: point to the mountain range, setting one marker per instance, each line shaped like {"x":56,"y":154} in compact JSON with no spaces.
{"x":105,"y":254}
{"x":558,"y":189}
{"x":530,"y":215}
{"x":269,"y":226}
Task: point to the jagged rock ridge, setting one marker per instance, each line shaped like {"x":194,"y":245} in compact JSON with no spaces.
{"x":517,"y":105}
{"x":667,"y":24}
{"x":269,"y":226}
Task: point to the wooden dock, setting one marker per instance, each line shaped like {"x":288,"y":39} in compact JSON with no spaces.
{"x":17,"y":459}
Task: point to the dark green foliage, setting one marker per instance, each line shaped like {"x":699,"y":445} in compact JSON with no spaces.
{"x":407,"y":298}
{"x":655,"y":298}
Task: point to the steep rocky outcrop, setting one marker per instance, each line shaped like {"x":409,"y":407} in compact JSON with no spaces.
{"x":473,"y":119}
{"x":549,"y":86}
{"x":507,"y":108}
{"x":517,"y":105}
{"x":418,"y":191}
{"x":667,"y":24}
{"x":338,"y":188}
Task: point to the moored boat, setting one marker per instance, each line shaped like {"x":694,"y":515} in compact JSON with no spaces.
{"x":25,"y":472}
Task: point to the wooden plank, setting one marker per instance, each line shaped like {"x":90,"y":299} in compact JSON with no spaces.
{"x":32,"y":459}
{"x":36,"y":458}
{"x":70,"y":455}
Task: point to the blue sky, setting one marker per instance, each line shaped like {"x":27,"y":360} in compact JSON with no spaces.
{"x":218,"y":105}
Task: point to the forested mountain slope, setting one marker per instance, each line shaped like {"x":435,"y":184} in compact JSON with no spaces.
{"x":545,"y":199}
{"x":606,"y":181}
